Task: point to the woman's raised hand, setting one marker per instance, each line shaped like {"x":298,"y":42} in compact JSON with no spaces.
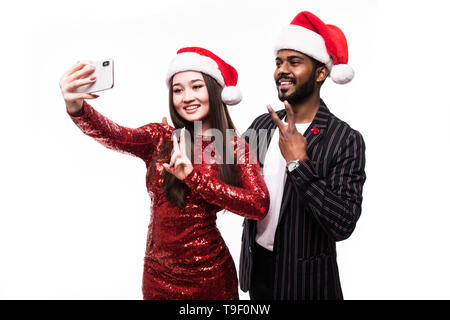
{"x":73,"y":79}
{"x":180,"y":165}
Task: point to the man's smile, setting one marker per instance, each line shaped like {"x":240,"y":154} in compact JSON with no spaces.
{"x":285,"y":83}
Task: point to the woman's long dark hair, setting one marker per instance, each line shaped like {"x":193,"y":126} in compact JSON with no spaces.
{"x":219,"y":119}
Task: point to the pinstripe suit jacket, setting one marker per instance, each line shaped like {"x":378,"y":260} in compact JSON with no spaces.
{"x":321,"y":204}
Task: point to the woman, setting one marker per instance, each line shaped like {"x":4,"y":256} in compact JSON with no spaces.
{"x":186,"y":257}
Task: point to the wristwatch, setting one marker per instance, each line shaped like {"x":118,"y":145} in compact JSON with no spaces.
{"x":291,"y":165}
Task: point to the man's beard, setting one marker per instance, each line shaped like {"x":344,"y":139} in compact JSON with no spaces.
{"x":301,"y":93}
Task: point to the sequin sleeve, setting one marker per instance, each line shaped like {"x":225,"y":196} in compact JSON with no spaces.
{"x":139,"y":142}
{"x":250,"y":199}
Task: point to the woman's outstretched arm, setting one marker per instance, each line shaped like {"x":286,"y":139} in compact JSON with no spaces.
{"x":139,"y":142}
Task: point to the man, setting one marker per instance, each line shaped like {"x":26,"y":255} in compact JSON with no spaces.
{"x":314,"y":170}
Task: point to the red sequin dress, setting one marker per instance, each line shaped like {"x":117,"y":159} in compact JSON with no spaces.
{"x":186,"y":257}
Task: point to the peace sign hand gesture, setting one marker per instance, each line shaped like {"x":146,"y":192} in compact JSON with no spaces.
{"x":180,"y":165}
{"x":292,"y":143}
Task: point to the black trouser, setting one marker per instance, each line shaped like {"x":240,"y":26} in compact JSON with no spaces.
{"x":261,"y":287}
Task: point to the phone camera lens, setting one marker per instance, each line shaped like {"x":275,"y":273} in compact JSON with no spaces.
{"x":105,"y":63}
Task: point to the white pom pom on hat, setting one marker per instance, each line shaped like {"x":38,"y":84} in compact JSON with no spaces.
{"x":231,"y":95}
{"x":342,"y":73}
{"x":324,"y":42}
{"x":203,"y":60}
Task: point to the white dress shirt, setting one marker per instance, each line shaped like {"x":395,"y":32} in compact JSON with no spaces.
{"x":274,"y":173}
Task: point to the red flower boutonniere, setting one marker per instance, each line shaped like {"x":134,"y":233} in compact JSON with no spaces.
{"x":315,"y":131}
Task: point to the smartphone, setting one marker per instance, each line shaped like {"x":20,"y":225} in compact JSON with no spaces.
{"x":104,"y":71}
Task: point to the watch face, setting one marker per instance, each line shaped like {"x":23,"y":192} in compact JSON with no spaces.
{"x":292,"y":165}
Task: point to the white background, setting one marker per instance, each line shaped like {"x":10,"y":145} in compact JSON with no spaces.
{"x":74,"y":215}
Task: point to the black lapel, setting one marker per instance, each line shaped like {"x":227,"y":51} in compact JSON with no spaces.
{"x":266,"y":136}
{"x":320,"y":122}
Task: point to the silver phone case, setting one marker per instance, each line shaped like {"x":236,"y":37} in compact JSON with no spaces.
{"x":104,"y":71}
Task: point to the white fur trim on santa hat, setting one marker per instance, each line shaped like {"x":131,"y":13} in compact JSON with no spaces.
{"x":190,"y":61}
{"x":231,"y":95}
{"x":342,"y":73}
{"x":297,"y":38}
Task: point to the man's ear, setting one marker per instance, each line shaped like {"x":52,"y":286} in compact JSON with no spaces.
{"x":321,"y":73}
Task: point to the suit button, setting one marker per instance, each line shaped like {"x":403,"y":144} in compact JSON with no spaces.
{"x":250,"y":249}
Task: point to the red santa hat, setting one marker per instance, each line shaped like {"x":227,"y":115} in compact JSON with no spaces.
{"x":324,"y":42}
{"x":202,"y":60}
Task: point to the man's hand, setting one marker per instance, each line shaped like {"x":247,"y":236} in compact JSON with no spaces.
{"x":292,"y":143}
